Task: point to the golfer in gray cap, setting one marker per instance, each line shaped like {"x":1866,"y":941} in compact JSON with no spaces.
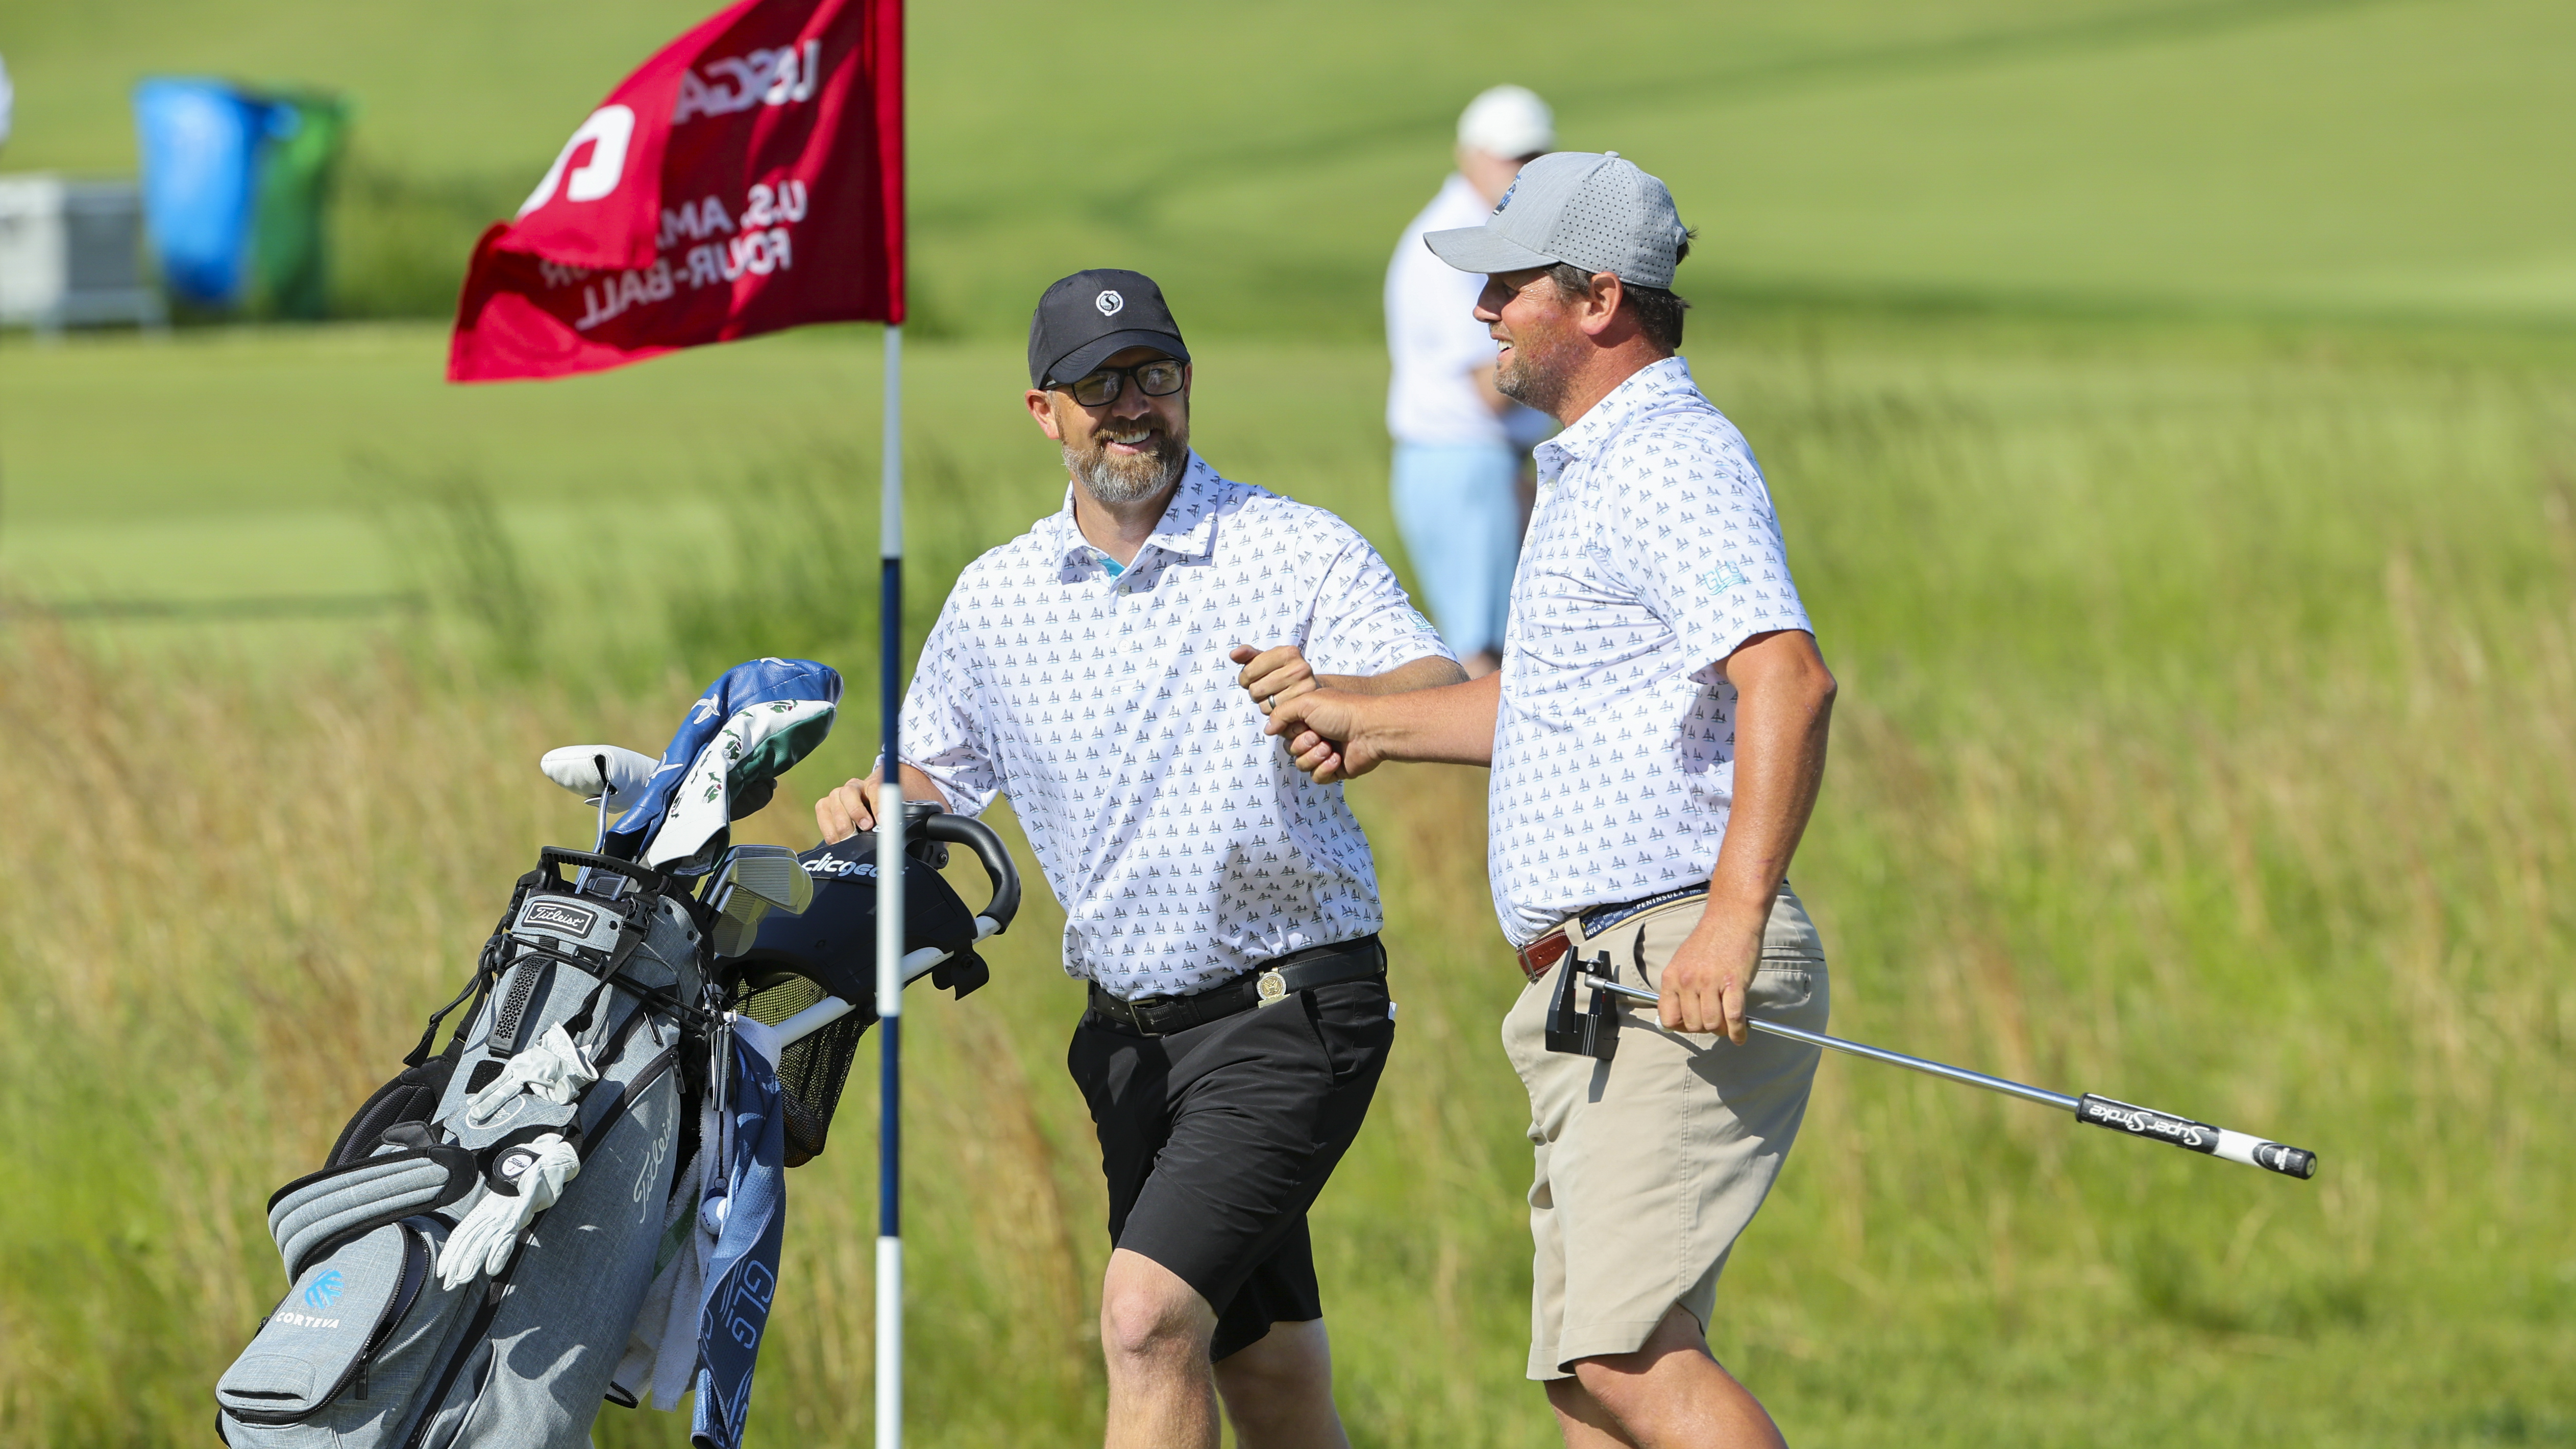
{"x":1657,"y":737}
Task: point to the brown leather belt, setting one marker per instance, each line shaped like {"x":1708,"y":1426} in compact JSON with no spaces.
{"x":1547,"y":950}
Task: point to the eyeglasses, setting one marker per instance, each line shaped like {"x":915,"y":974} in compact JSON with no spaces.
{"x":1161,"y":377}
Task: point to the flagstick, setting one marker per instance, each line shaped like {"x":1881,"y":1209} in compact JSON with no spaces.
{"x":890,"y":867}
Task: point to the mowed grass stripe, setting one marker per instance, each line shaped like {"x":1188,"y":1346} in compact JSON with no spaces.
{"x":2296,"y":157}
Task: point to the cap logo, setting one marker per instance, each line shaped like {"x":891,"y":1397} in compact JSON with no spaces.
{"x":1109,"y":303}
{"x":1507,"y":196}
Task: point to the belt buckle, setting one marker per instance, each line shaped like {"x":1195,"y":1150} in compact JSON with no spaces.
{"x":1270,"y":988}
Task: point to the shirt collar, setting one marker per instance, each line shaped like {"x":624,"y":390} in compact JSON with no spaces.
{"x":1188,"y":525}
{"x":1649,"y":389}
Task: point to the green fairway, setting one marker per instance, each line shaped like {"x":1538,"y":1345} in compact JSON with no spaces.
{"x":2312,"y":157}
{"x":2202,"y":742}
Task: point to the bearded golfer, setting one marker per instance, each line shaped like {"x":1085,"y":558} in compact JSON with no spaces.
{"x":1657,"y":736}
{"x":1223,"y":907}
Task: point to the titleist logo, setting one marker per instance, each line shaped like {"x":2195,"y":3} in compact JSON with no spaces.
{"x":577,"y":920}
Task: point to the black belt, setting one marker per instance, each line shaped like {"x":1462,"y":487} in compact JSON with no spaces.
{"x":1275,"y":981}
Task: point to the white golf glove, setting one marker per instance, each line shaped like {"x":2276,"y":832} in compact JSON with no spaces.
{"x":484,"y":1241}
{"x":586,"y":770}
{"x":554,"y":1069}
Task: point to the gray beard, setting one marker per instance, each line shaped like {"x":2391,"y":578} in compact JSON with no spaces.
{"x":1128,"y":480}
{"x":1534,"y":379}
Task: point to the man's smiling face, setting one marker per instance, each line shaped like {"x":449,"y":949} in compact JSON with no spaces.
{"x":1131,"y":447}
{"x":1536,"y":329}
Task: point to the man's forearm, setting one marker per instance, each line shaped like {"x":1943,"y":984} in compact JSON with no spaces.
{"x":918,"y":786}
{"x":1451,"y":725}
{"x":1429,"y":672}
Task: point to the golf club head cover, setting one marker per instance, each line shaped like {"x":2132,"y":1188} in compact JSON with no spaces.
{"x":578,"y":768}
{"x":755,"y":722}
{"x":834,"y":942}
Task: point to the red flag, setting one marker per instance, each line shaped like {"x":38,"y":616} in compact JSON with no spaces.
{"x":747,"y":178}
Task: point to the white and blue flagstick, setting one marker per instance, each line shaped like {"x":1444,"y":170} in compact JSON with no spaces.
{"x":890,"y":867}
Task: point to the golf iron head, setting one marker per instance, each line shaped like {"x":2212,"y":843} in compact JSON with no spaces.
{"x":750,"y":882}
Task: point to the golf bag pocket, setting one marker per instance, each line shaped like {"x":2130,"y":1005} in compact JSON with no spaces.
{"x":313,"y":1215}
{"x":339,"y":1360}
{"x":411,"y":1097}
{"x":813,"y":1070}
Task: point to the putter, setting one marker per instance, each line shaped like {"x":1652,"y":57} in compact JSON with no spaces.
{"x":2093,"y":1111}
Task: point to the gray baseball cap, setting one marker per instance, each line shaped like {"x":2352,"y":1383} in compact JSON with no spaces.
{"x":1596,"y":211}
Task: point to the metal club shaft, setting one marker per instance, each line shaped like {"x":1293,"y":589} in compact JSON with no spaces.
{"x":2041,"y":1095}
{"x":2092,"y":1111}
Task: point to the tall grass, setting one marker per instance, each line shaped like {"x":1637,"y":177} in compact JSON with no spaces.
{"x":2206,"y":740}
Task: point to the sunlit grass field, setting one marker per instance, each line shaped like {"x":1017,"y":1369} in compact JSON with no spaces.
{"x":2204,"y":741}
{"x":2171,"y":412}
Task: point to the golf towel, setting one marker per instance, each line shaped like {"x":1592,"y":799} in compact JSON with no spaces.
{"x":750,"y":1220}
{"x":754,"y":722}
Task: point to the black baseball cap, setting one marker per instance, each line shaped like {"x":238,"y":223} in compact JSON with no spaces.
{"x":1091,"y":316}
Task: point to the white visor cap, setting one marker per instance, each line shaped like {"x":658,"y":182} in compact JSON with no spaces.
{"x":1596,"y":211}
{"x":1508,"y":121}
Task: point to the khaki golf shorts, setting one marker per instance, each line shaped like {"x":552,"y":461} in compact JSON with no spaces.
{"x":1650,"y":1164}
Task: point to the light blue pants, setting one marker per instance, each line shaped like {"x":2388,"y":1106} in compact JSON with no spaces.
{"x":1458,"y":506}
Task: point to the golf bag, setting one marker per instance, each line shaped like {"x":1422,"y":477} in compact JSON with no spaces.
{"x":474,"y":1259}
{"x":552,"y":1127}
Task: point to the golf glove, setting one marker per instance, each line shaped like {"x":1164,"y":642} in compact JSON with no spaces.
{"x":484,"y":1241}
{"x":578,"y":768}
{"x":554,"y":1069}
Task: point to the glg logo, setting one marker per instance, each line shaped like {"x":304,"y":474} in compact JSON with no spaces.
{"x":1109,"y":303}
{"x":324,"y":1291}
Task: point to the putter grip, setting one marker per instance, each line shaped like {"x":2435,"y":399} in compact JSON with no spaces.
{"x":2194,"y":1136}
{"x":978,"y":837}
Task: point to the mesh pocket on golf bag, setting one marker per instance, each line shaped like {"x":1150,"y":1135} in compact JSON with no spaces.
{"x":811,"y":1072}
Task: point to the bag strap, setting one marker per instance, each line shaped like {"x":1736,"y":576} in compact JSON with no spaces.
{"x":481,"y":980}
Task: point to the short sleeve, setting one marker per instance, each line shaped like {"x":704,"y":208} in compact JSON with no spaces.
{"x":1688,"y":524}
{"x":1364,"y":622}
{"x":943,"y":729}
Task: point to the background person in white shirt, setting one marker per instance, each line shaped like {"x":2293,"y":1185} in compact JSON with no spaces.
{"x":1109,"y":671}
{"x":1657,"y":736}
{"x":1459,"y":442}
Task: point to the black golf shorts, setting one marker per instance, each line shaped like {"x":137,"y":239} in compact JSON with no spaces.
{"x":1215,"y":1141}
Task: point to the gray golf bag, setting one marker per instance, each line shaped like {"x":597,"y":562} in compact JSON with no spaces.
{"x":630,"y":972}
{"x":368,"y":1348}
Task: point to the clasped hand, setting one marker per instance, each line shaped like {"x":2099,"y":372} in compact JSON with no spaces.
{"x":1315,"y":722}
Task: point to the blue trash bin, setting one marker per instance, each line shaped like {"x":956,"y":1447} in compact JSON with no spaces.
{"x":202,"y":142}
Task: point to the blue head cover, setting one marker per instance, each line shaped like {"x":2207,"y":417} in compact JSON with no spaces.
{"x":753,"y":723}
